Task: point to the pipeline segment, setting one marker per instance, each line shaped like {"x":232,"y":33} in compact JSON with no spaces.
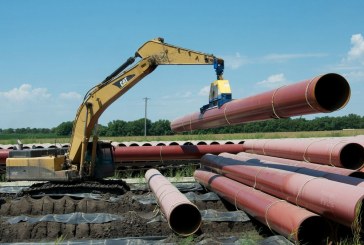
{"x":183,"y":216}
{"x":287,"y":219}
{"x":337,"y":201}
{"x":337,"y":174}
{"x":164,"y":153}
{"x":4,"y":153}
{"x":303,"y":165}
{"x":337,"y":152}
{"x":324,"y":93}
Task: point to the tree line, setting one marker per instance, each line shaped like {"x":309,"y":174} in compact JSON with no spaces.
{"x":162,"y":127}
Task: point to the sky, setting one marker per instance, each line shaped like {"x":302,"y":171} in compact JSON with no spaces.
{"x":53,"y":52}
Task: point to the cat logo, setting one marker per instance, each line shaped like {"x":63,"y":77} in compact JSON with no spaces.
{"x":123,"y":81}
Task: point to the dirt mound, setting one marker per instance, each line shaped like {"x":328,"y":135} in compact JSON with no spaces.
{"x":137,"y":219}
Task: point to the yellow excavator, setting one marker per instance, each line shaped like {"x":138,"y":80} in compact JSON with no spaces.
{"x":88,"y":159}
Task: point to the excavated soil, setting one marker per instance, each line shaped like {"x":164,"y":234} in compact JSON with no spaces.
{"x":138,"y":219}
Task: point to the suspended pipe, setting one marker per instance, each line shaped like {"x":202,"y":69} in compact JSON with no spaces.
{"x":334,"y":200}
{"x":293,"y":222}
{"x":164,"y":153}
{"x":329,"y":151}
{"x":325,"y":93}
{"x":183,"y":216}
{"x":346,"y":176}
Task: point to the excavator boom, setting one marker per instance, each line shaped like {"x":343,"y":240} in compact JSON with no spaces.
{"x":151,"y":54}
{"x":90,"y":159}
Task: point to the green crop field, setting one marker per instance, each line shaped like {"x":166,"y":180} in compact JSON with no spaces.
{"x":39,"y":139}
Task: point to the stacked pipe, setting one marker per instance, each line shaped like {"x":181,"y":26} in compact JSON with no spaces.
{"x":338,"y":152}
{"x":183,"y":216}
{"x":324,"y":93}
{"x":4,"y":153}
{"x":342,"y":175}
{"x":302,"y":166}
{"x":334,"y":200}
{"x":289,"y":220}
{"x":164,"y":153}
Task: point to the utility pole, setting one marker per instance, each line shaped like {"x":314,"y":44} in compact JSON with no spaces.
{"x":145,"y":115}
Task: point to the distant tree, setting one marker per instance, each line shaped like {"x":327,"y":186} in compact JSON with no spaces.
{"x":64,"y":129}
{"x":9,"y":131}
{"x":116,"y":128}
{"x":160,"y":127}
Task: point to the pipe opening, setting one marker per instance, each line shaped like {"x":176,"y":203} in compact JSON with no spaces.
{"x":313,"y":230}
{"x":352,"y":156}
{"x":332,"y":92}
{"x":229,"y":143}
{"x":185,"y":219}
{"x":357,"y":174}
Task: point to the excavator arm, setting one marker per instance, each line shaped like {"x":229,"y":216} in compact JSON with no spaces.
{"x":98,"y":99}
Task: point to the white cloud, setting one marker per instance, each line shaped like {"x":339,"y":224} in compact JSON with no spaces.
{"x":235,"y":61}
{"x":205,"y":91}
{"x":357,"y":49}
{"x":274,"y":81}
{"x":286,"y":57}
{"x":25,"y":93}
{"x":70,"y":96}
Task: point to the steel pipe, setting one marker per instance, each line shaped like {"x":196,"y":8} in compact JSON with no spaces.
{"x":4,"y":153}
{"x":329,"y":151}
{"x":183,"y":216}
{"x":337,"y":201}
{"x":324,"y":93}
{"x":164,"y":153}
{"x":287,"y":219}
{"x":342,"y":175}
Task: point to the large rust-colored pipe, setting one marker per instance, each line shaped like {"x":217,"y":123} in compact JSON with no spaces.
{"x":329,"y":151}
{"x":334,"y":200}
{"x":176,"y":152}
{"x":287,"y":219}
{"x":4,"y":153}
{"x":183,"y":216}
{"x":342,"y":175}
{"x":324,"y":93}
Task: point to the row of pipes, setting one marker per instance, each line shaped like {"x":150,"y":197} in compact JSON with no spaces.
{"x":293,"y":198}
{"x":293,"y":186}
{"x":337,"y":152}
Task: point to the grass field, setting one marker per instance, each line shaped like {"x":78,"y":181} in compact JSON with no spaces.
{"x":188,"y":137}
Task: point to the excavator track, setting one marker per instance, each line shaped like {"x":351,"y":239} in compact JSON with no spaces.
{"x":117,"y":187}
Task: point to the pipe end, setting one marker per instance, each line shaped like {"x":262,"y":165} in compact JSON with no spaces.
{"x":185,"y":219}
{"x":314,"y":230}
{"x":332,"y":92}
{"x":352,"y":156}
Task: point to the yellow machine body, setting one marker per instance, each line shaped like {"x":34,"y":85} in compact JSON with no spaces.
{"x":37,"y":168}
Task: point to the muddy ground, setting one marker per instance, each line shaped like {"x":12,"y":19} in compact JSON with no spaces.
{"x":138,"y":219}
